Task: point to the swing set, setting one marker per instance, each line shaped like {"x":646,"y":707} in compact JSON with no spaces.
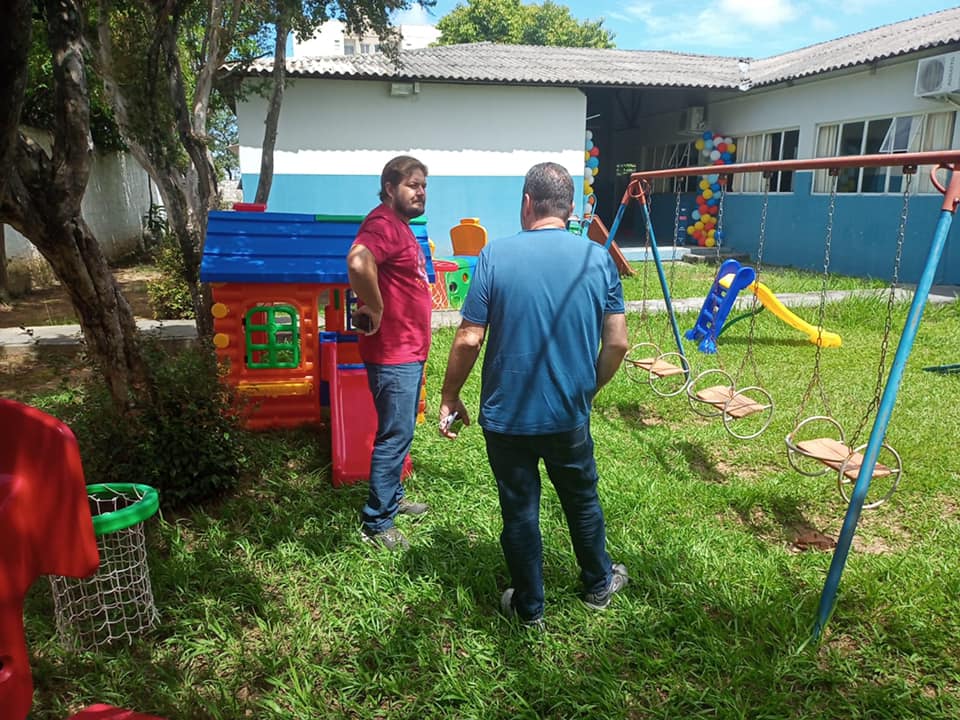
{"x":857,"y":465}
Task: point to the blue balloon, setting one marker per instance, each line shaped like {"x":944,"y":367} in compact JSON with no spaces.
{"x":589,"y":145}
{"x":715,"y":187}
{"x":695,"y":214}
{"x":727,"y":157}
{"x":712,"y":178}
{"x":593,"y":162}
{"x":707,"y":134}
{"x":713,"y":202}
{"x":719,"y":235}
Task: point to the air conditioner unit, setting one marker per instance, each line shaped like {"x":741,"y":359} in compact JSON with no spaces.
{"x":693,"y":119}
{"x":938,"y":75}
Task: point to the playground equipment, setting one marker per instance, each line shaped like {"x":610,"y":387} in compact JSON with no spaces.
{"x":277,"y":279}
{"x":468,"y":238}
{"x":814,"y":456}
{"x":45,"y":529}
{"x":667,"y":373}
{"x":941,"y":161}
{"x":730,"y":280}
{"x":746,"y":410}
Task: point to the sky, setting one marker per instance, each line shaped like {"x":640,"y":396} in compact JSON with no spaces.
{"x":738,"y":28}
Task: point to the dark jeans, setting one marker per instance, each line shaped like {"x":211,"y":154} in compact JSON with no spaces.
{"x":568,"y":457}
{"x":396,"y":394}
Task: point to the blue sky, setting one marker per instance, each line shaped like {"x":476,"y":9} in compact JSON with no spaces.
{"x":743,"y":28}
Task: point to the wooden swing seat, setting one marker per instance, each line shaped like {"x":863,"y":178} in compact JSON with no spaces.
{"x":737,"y":405}
{"x":660,"y":368}
{"x":832,"y":453}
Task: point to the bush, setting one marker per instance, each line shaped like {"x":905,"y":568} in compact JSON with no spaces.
{"x":181,"y":436}
{"x":169,"y":294}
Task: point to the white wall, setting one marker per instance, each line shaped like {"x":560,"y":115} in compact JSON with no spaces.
{"x":478,"y":141}
{"x":116,"y":198}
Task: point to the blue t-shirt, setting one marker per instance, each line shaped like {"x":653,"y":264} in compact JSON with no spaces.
{"x":542,"y":295}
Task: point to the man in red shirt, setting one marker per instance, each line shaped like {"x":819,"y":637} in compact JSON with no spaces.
{"x":388,"y":274}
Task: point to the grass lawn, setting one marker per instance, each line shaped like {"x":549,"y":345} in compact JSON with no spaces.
{"x":271,"y":607}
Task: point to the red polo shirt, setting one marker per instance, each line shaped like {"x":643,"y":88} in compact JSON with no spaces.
{"x":404,"y":334}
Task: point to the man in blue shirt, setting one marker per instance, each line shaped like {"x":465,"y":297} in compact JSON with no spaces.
{"x":550,"y":305}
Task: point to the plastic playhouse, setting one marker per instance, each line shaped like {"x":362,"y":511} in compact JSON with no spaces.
{"x":282,"y":326}
{"x":455,"y":273}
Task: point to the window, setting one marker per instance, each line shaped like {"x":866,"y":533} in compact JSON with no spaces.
{"x":364,"y":48}
{"x":663,"y":157}
{"x":901,"y":134}
{"x":779,"y":145}
{"x":349,"y":48}
{"x":272,"y":337}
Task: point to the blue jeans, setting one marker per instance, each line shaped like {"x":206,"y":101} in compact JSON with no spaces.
{"x":396,"y":394}
{"x":568,"y":457}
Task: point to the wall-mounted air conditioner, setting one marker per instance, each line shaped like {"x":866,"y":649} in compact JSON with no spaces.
{"x":938,"y":75}
{"x":693,"y":119}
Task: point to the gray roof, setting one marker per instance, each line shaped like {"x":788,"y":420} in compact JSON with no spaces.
{"x":589,"y":67}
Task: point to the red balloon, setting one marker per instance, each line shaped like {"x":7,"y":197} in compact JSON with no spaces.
{"x":595,"y":151}
{"x":722,"y":147}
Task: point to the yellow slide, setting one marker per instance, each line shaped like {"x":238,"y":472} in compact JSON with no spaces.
{"x":773,"y":304}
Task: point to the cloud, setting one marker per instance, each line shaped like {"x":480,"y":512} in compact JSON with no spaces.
{"x":767,"y":14}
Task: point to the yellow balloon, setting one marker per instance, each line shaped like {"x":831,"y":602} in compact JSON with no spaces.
{"x":704,"y":184}
{"x":731,"y":148}
{"x":707,"y":194}
{"x":698,"y":225}
{"x":699,"y":144}
{"x":595,"y":171}
{"x":710,"y":242}
{"x":690,"y":229}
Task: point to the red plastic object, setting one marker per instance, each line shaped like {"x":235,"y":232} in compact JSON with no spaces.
{"x":250,"y":207}
{"x":106,"y":712}
{"x":45,"y":529}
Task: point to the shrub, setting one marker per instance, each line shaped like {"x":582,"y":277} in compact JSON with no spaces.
{"x":180,"y":436}
{"x":169,"y":294}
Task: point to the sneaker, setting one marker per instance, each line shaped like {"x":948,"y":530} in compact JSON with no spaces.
{"x":414,"y":509}
{"x":389,"y":539}
{"x":618,"y":580}
{"x":510,"y":612}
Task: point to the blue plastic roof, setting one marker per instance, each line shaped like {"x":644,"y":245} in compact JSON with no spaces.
{"x":252,"y":247}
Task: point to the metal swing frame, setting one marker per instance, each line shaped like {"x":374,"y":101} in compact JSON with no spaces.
{"x":950,"y":189}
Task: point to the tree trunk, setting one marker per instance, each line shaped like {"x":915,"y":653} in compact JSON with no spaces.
{"x":265,"y":181}
{"x":41,"y":195}
{"x":4,"y":280}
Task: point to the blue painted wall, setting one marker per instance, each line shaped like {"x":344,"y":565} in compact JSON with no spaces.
{"x":864,"y":231}
{"x":495,"y":200}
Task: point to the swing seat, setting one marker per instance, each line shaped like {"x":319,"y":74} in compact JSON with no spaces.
{"x":660,"y":368}
{"x":833,"y":453}
{"x":724,"y":397}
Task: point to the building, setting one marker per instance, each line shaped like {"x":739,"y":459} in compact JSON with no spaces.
{"x":479,"y":115}
{"x":332,"y":39}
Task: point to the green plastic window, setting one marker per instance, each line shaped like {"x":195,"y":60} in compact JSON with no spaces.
{"x":273,"y":337}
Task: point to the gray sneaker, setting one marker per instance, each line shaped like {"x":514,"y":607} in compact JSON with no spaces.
{"x":389,"y":539}
{"x":510,"y":612}
{"x":600,"y":600}
{"x":414,"y":509}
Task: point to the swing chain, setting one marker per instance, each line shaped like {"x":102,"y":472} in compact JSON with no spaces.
{"x":815,"y":379}
{"x":909,"y":171}
{"x":749,"y":355}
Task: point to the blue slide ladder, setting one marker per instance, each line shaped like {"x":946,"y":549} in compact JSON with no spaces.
{"x":718,"y":303}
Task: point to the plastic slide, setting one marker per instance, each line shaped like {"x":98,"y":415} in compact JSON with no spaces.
{"x":353,"y":426}
{"x":772,"y":303}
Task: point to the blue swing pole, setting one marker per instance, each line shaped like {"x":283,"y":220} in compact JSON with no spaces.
{"x":888,"y":399}
{"x":617,"y":218}
{"x":663,"y":284}
{"x":642,"y":199}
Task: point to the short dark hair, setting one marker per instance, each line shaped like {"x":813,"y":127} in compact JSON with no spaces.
{"x":550,"y":187}
{"x":398,"y":170}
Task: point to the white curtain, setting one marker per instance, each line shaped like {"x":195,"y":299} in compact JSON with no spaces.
{"x":937,"y":135}
{"x":827,"y":137}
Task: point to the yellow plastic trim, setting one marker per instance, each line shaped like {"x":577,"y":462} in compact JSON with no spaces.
{"x":282,"y":388}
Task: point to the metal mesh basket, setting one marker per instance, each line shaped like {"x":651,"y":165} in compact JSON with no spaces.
{"x":117,"y":601}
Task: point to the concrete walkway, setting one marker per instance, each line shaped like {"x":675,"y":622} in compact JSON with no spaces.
{"x":58,"y":335}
